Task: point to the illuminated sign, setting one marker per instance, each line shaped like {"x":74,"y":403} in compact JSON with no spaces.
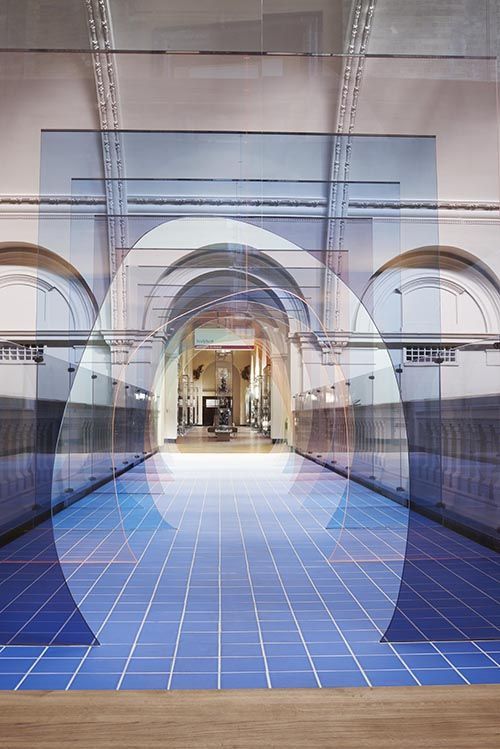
{"x":223,"y":338}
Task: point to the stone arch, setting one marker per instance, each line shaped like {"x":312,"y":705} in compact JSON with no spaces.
{"x":210,"y":261}
{"x":181,"y":239}
{"x":46,"y":290}
{"x":435,"y":290}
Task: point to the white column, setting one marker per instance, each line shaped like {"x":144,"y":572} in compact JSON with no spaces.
{"x":168,"y":407}
{"x":280,"y":398}
{"x":314,"y":372}
{"x":295,"y":359}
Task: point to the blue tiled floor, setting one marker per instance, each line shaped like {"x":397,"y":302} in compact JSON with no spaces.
{"x":218,"y":571}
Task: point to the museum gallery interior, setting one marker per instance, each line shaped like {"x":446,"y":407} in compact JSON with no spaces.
{"x":250,"y":370}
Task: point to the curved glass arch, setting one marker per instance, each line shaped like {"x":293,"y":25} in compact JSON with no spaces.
{"x":131,"y":372}
{"x":449,"y":583}
{"x":36,"y":598}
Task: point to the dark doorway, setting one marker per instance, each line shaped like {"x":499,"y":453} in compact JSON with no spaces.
{"x":210,"y":407}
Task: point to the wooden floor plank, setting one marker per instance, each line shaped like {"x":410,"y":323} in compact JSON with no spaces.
{"x":461,"y":717}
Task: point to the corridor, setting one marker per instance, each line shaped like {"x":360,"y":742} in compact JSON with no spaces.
{"x":199,"y":440}
{"x":225,"y":576}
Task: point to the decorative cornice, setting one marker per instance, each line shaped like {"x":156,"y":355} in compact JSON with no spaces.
{"x":237,"y":202}
{"x":338,"y":203}
{"x":271,"y":202}
{"x":198,"y":201}
{"x":396,"y":205}
{"x":426,"y":205}
{"x":99,"y":24}
{"x":50,"y":200}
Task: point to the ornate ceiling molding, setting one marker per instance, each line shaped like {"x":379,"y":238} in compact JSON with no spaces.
{"x":160,"y":200}
{"x":37,"y":200}
{"x":464,"y":206}
{"x":360,"y":28}
{"x":426,"y":205}
{"x":101,"y":42}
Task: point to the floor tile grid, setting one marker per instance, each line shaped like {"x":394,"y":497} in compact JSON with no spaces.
{"x":89,"y":542}
{"x":267,"y":610}
{"x":44,"y":650}
{"x":201,"y":601}
{"x":111,"y":507}
{"x":219,"y":585}
{"x":215,"y":497}
{"x":460,"y":551}
{"x":462,"y":544}
{"x":477,"y":644}
{"x":465,"y":560}
{"x":27,"y":540}
{"x":438,"y":563}
{"x":436,"y":646}
{"x":37,"y":580}
{"x":117,"y":516}
{"x":183,"y":613}
{"x":230,"y":679}
{"x":472,"y":549}
{"x":285,"y":592}
{"x":351,"y":592}
{"x":386,"y":510}
{"x":127,"y":580}
{"x":195,"y":543}
{"x":398,"y":537}
{"x":81,"y":603}
{"x":313,"y":585}
{"x":106,"y":648}
{"x":325,"y":558}
{"x":251,"y":586}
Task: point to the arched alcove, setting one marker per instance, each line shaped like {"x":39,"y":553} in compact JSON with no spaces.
{"x":190,"y":246}
{"x":40,"y":291}
{"x":435,"y":291}
{"x":219,"y":266}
